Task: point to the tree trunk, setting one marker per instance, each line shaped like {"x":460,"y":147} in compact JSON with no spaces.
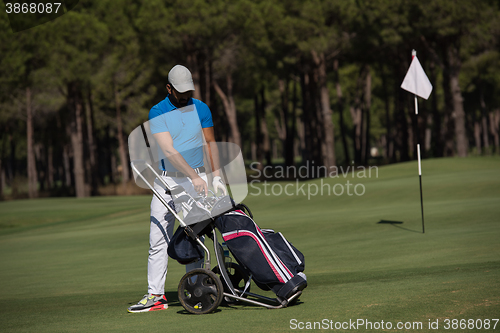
{"x":428,"y":133}
{"x":67,"y":166}
{"x":2,"y":179}
{"x":459,"y":113}
{"x":280,"y":128}
{"x":92,"y":165}
{"x":50,"y":166}
{"x":208,"y":78}
{"x":306,"y":121}
{"x":229,"y":108}
{"x":448,"y":129}
{"x":263,"y":125}
{"x":114,"y":168}
{"x":495,"y":127}
{"x":356,"y":115}
{"x":454,"y":103}
{"x":193,"y":67}
{"x":311,"y":153}
{"x":263,"y":150}
{"x":32,"y":176}
{"x":484,"y":130}
{"x":41,"y":172}
{"x":437,"y":145}
{"x":367,"y":106}
{"x":2,"y":165}
{"x":288,"y":121}
{"x":340,"y":108}
{"x":259,"y":153}
{"x":477,"y":133}
{"x":291,"y":130}
{"x":389,"y":136}
{"x":280,"y":120}
{"x":109,"y":152}
{"x":203,"y":75}
{"x":412,"y":144}
{"x":302,"y":140}
{"x":274,"y":150}
{"x":253,"y":152}
{"x":122,"y":150}
{"x":484,"y":122}
{"x":77,"y":139}
{"x":356,"y":110}
{"x":328,"y":142}
{"x":400,"y":101}
{"x":12,"y":158}
{"x":449,"y":126}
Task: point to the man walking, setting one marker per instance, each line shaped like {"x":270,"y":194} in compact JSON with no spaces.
{"x":180,"y":124}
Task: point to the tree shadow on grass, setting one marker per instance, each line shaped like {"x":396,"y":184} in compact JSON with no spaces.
{"x":396,"y":224}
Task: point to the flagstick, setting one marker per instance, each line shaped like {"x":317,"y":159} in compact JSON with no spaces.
{"x":420,"y":180}
{"x":413,"y":54}
{"x":416,"y":105}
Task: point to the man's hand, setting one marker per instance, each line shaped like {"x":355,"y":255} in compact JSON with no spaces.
{"x":200,"y":185}
{"x":219,"y":185}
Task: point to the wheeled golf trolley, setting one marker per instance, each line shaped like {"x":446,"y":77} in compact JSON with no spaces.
{"x":260,"y":255}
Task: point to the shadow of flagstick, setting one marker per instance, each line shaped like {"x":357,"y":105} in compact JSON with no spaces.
{"x":396,"y":224}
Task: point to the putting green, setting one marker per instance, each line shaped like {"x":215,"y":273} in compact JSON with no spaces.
{"x":75,"y":265}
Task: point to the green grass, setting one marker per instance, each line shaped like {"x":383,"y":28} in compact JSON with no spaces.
{"x":75,"y":265}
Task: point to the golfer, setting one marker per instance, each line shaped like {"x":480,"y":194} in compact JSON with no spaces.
{"x":180,"y":124}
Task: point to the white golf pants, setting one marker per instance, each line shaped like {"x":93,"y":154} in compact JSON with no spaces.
{"x":161,"y":231}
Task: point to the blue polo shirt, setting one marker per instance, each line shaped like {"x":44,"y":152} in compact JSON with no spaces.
{"x":185,"y":126}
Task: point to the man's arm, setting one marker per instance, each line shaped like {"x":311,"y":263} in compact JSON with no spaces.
{"x":213,"y":150}
{"x":166,"y":144}
{"x":213,"y":156}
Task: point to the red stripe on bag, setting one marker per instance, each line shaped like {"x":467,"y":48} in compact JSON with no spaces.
{"x":260,"y":231}
{"x":229,"y":237}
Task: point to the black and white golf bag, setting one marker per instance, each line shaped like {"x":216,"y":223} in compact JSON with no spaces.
{"x":273,"y":262}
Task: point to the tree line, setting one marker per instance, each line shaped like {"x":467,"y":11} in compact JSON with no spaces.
{"x":288,"y":81}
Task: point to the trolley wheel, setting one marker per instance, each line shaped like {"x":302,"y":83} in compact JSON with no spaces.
{"x":238,"y":278}
{"x":200,"y":291}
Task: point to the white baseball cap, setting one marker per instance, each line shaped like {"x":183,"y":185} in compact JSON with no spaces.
{"x":180,"y":77}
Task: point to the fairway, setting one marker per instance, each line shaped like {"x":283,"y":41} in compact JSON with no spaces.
{"x":75,"y":265}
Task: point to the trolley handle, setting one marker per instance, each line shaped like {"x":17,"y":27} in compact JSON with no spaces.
{"x":155,"y":192}
{"x":174,"y":190}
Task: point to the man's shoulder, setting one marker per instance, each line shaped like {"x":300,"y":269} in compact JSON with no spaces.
{"x":200,"y":106}
{"x":160,"y":108}
{"x":197,"y":102}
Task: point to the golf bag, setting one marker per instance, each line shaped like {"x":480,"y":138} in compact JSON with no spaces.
{"x":273,"y":263}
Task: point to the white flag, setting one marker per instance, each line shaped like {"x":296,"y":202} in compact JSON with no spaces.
{"x":416,"y":81}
